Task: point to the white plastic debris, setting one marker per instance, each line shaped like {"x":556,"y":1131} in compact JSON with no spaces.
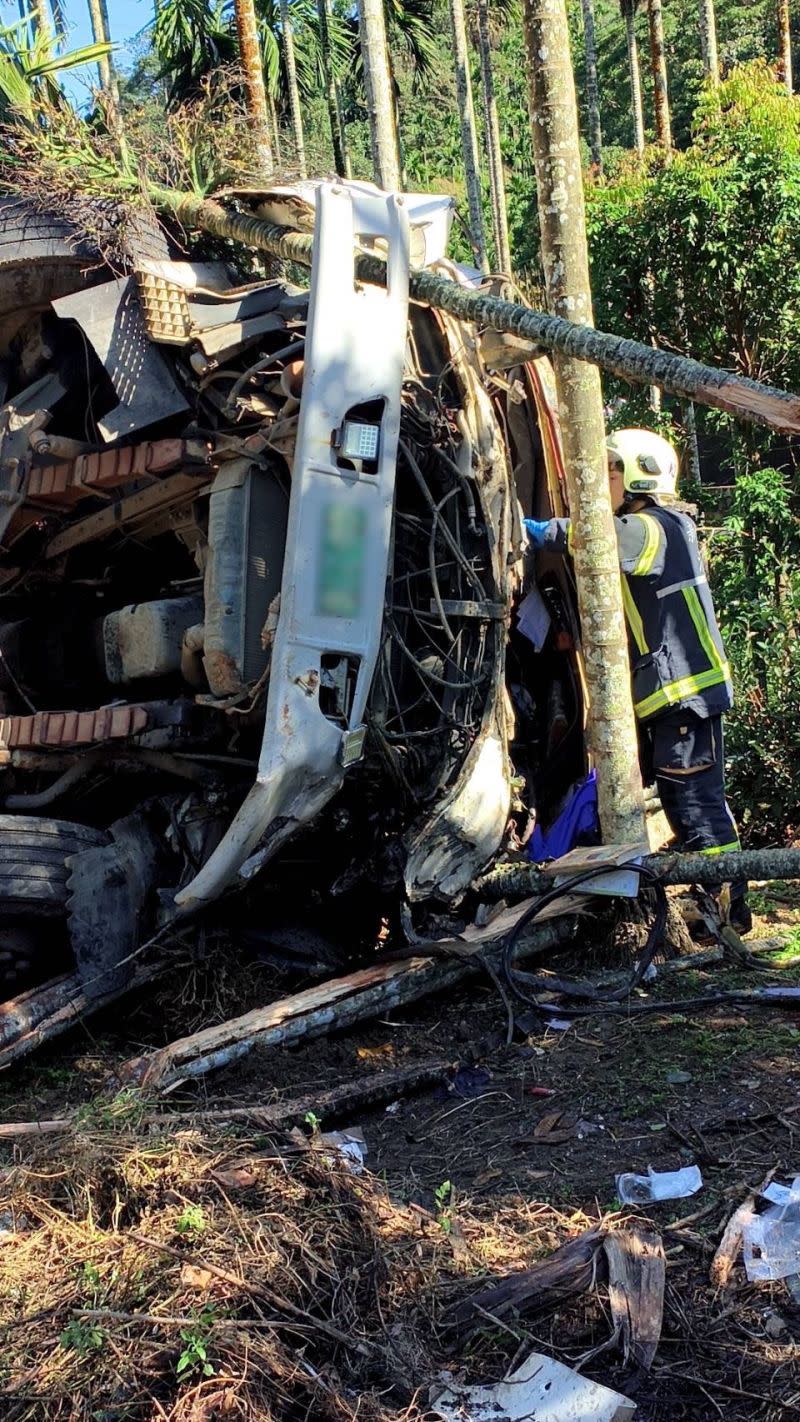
{"x":349,"y":1146}
{"x":771,"y":1239}
{"x":541,"y":1390}
{"x":659,"y":1185}
{"x":533,"y":619}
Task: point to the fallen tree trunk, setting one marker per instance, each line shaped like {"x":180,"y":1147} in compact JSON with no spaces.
{"x":688,"y":379}
{"x":44,"y":1013}
{"x":327,"y":1106}
{"x":709,"y":870}
{"x":331,"y":1006}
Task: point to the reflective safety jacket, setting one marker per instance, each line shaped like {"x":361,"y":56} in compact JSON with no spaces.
{"x":677,"y":656}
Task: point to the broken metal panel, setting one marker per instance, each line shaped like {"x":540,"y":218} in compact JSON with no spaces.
{"x":447,"y":848}
{"x":340,"y":520}
{"x":111,"y":319}
{"x":180,"y":300}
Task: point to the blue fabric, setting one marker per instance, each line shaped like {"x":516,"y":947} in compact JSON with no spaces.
{"x":578,"y":823}
{"x":536,"y":530}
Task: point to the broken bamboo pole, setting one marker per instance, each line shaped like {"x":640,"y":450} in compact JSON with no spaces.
{"x":687,"y":379}
{"x":708,"y":870}
{"x":332,"y":1005}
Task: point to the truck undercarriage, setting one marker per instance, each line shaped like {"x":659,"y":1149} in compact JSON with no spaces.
{"x":260,"y":568}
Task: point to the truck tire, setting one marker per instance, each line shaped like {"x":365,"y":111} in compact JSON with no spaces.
{"x":33,"y":872}
{"x":42,"y":257}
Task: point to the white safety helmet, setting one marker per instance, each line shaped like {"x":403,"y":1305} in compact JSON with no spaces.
{"x":649,"y":462}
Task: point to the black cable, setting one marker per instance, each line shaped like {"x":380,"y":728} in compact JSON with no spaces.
{"x":655,"y":937}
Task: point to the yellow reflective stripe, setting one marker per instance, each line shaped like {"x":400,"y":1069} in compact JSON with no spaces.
{"x":634,"y":618}
{"x":652,"y":538}
{"x":735,"y":844}
{"x":702,"y":628}
{"x":676,"y":691}
{"x":570,"y":545}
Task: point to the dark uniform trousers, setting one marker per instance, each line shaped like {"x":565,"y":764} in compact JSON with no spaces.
{"x":685,"y":754}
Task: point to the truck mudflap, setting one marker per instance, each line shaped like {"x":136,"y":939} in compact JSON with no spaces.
{"x":338,"y":542}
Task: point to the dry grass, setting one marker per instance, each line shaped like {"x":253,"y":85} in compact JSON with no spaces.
{"x":194,"y":1274}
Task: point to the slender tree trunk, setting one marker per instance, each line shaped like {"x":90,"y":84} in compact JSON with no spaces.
{"x":255,"y":90}
{"x":469,"y":133}
{"x":341,"y":157}
{"x":708,"y":41}
{"x":637,"y":107}
{"x":497,"y":181}
{"x":101,"y":34}
{"x":380,"y":96}
{"x":291,"y":84}
{"x":785,"y":45}
{"x":658,"y":61}
{"x":274,"y":130}
{"x":592,"y":88}
{"x":611,"y":722}
{"x":692,"y":447}
{"x":41,"y":26}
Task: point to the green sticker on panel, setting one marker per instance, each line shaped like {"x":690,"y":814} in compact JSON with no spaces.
{"x":341,"y":565}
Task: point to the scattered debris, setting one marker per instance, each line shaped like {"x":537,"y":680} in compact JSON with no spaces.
{"x":659,"y":1185}
{"x":349,"y":1146}
{"x":771,"y":1234}
{"x":539,"y":1390}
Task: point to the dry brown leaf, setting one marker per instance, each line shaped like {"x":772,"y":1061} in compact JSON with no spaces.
{"x":194,"y":1277}
{"x":238,"y":1177}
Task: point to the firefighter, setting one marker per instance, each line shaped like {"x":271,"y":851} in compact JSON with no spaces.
{"x":681,"y":678}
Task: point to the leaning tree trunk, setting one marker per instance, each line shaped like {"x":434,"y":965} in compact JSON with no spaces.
{"x":736,"y":395}
{"x":341,"y":157}
{"x":469,"y":132}
{"x":291,"y":84}
{"x":497,"y":181}
{"x":637,"y":107}
{"x":255,"y":91}
{"x":592,"y":88}
{"x":785,"y":45}
{"x":380,"y":98}
{"x":658,"y":61}
{"x":106,"y":72}
{"x":708,"y":41}
{"x":556,"y":147}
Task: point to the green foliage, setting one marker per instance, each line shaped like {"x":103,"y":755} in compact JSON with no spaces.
{"x":28,"y":72}
{"x":191,"y":1221}
{"x":194,"y":1357}
{"x":444,"y":1195}
{"x":700,"y":254}
{"x":755,"y":574}
{"x":82,"y":1336}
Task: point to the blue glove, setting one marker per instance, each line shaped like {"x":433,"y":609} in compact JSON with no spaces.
{"x":536,"y":530}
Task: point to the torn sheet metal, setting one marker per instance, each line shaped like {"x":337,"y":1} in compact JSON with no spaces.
{"x":111,"y":319}
{"x":540,"y":1390}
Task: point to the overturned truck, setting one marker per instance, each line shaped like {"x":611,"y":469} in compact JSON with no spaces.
{"x":261,"y":565}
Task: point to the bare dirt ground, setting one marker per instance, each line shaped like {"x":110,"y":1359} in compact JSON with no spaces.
{"x":160,"y":1266}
